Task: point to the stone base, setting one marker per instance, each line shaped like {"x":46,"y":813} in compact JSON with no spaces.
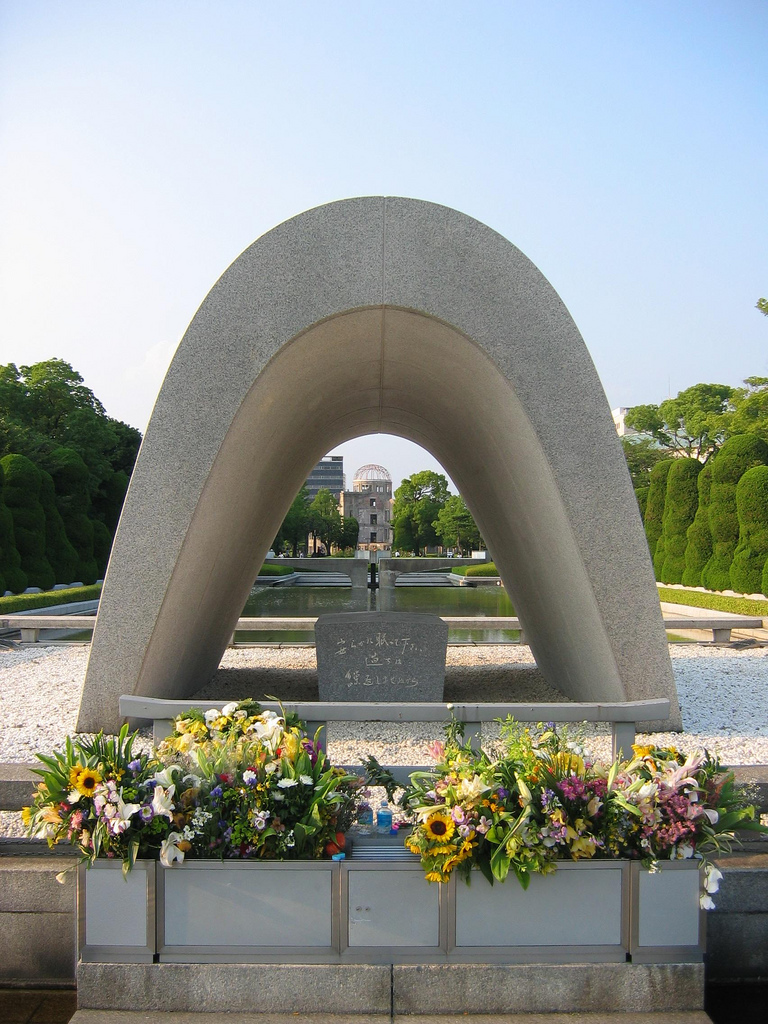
{"x":436,"y":989}
{"x":129,"y":1017}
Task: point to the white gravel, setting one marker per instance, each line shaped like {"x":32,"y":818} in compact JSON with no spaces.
{"x":723,"y":694}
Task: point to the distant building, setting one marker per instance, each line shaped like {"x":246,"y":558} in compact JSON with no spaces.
{"x":328,"y":473}
{"x":370,"y":503}
{"x":618,"y":420}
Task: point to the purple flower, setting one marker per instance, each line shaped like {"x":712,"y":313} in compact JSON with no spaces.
{"x":134,"y":765}
{"x":216,"y":791}
{"x":502,"y":793}
{"x":146,"y":813}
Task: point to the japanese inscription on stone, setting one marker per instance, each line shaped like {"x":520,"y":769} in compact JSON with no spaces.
{"x":381,"y":656}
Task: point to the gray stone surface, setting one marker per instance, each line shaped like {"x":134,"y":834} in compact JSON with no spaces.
{"x":235,"y":988}
{"x":380,"y":656}
{"x":17,"y":786}
{"x":548,"y":988}
{"x":129,"y":1017}
{"x":28,"y":885}
{"x":331,"y":326}
{"x":737,"y":947}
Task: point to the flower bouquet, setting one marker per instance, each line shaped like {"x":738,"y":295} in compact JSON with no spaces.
{"x":539,"y":799}
{"x":237,"y":783}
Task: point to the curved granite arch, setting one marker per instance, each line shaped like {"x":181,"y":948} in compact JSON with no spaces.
{"x":380,"y":315}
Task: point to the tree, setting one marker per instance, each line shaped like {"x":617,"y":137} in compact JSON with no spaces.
{"x":698,"y":550}
{"x":23,"y":480}
{"x":642,"y":454}
{"x":654,"y":511}
{"x":295,"y":526}
{"x":694,"y":424}
{"x":350,"y":531}
{"x":455,"y":526}
{"x":737,"y":455}
{"x":750,"y":415}
{"x":751,"y":553}
{"x":324,"y":520}
{"x":417,"y":504}
{"x":762,"y":305}
{"x":682,"y":500}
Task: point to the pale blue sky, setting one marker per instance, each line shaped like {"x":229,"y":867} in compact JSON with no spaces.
{"x":621,"y":145}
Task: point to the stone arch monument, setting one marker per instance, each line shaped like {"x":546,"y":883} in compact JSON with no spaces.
{"x":380,"y":315}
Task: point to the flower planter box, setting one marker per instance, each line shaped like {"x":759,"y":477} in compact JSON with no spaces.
{"x":116,"y":913}
{"x":668,"y":924}
{"x":578,"y":914}
{"x":360,"y":911}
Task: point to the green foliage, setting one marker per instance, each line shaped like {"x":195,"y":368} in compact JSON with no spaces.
{"x":482,"y":569}
{"x":60,"y":552}
{"x":269,"y":569}
{"x":717,"y":602}
{"x":325,"y":519}
{"x":694,"y":424}
{"x":654,"y":510}
{"x":750,"y":414}
{"x":50,"y":598}
{"x":698,"y":550}
{"x":12,"y":576}
{"x":350,"y":531}
{"x":22,"y":496}
{"x":752,"y":549}
{"x":418,"y":501}
{"x":70,"y":479}
{"x":737,"y":455}
{"x":642,"y":454}
{"x":641,"y":493}
{"x":762,"y":305}
{"x":680,"y":506}
{"x":455,"y":526}
{"x":102,"y":545}
{"x":295,"y":527}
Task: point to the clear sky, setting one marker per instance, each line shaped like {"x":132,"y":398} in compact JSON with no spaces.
{"x":622,"y":145}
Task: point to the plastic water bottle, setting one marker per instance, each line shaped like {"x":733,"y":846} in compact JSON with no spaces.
{"x":384,"y":819}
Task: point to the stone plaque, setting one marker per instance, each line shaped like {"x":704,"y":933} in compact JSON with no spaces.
{"x":381,"y":656}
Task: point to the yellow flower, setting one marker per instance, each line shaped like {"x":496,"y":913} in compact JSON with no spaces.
{"x":438,"y":851}
{"x":84,"y":780}
{"x":436,"y":876}
{"x":641,"y":751}
{"x":439,"y":826}
{"x":290,"y":745}
{"x":26,"y":815}
{"x":51,"y":815}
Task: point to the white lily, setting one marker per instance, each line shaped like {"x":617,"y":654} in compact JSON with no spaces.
{"x":712,"y":878}
{"x":165,"y":777}
{"x":162,"y":801}
{"x":121,"y":819}
{"x":169,"y":851}
{"x":229,"y":709}
{"x":211,"y":715}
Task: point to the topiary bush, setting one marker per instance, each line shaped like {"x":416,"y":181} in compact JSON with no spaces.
{"x":654,"y":511}
{"x":698,"y":550}
{"x":12,"y":576}
{"x":102,"y":545}
{"x":739,"y":453}
{"x":70,"y":479}
{"x":752,"y":550}
{"x":58,"y":548}
{"x":22,"y":496}
{"x":641,"y":493}
{"x":681,"y":502}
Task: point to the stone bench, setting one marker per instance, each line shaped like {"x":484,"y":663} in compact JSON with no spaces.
{"x":622,"y":716}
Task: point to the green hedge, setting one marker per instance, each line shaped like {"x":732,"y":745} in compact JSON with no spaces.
{"x":28,"y":602}
{"x":483,"y":569}
{"x":717,"y":602}
{"x":739,"y":453}
{"x":12,"y":576}
{"x":752,"y":550}
{"x":654,"y":512}
{"x":698,"y":550}
{"x":70,"y":478}
{"x":61,"y":554}
{"x":681,"y":502}
{"x":22,"y":496}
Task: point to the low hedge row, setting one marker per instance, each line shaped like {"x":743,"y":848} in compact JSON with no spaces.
{"x":717,"y":602}
{"x":48,"y":598}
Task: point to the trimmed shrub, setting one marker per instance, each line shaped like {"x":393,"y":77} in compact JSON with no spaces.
{"x":641,"y":493}
{"x":70,"y":479}
{"x":12,"y":576}
{"x":738,"y":454}
{"x":28,"y":602}
{"x":22,"y":496}
{"x":102,"y":545}
{"x":698,"y":550}
{"x":718,"y":602}
{"x":752,"y":550}
{"x":483,"y":569}
{"x":59,"y":550}
{"x":654,"y":511}
{"x":682,"y":500}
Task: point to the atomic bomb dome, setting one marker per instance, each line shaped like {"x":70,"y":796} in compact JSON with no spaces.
{"x":369,"y":473}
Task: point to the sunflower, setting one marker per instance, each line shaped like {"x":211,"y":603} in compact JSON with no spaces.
{"x":439,"y":851}
{"x":439,"y":826}
{"x":436,"y":876}
{"x":84,"y":780}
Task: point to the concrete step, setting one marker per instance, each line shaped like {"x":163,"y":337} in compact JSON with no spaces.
{"x":145,"y":1017}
